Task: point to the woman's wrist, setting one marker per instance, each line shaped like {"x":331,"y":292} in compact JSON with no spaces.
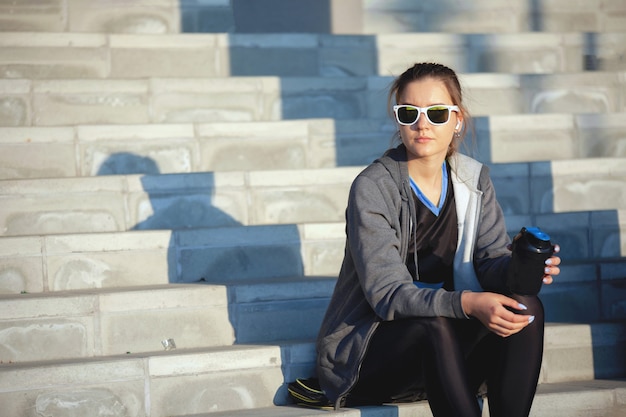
{"x":466,"y":303}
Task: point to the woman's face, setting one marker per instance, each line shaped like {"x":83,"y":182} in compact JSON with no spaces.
{"x":423,"y":139}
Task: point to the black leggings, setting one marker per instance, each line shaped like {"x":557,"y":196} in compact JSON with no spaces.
{"x":447,"y":361}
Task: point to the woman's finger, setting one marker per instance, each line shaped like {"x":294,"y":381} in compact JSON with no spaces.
{"x":506,"y":329}
{"x":554,"y":260}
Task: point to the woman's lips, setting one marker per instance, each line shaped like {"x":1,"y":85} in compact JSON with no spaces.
{"x":423,"y":139}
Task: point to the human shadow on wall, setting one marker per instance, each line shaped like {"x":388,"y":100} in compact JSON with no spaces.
{"x":184,"y":204}
{"x":209,"y":245}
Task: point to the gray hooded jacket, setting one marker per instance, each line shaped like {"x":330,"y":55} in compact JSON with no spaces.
{"x":374,"y":283}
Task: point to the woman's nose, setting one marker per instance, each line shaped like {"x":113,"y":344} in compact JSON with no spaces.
{"x":422,"y":122}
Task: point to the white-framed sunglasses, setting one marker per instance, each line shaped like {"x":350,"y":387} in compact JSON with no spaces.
{"x":439,"y":114}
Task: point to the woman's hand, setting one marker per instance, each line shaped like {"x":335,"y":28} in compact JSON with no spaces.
{"x":552,"y":266}
{"x":491,"y":309}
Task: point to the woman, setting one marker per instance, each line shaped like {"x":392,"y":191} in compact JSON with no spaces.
{"x":421,"y":307}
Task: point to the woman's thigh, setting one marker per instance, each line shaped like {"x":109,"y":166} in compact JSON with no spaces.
{"x":393,"y":368}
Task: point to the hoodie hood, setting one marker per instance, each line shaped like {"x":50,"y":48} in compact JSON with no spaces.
{"x":396,"y":163}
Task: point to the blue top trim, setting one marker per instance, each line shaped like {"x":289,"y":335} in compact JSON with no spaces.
{"x":435,"y":209}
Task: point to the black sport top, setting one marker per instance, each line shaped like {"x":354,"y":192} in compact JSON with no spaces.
{"x":435,"y":240}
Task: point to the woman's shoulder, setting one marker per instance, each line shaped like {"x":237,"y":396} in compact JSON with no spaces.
{"x":467,"y":169}
{"x":373,"y":175}
{"x":389,"y":165}
{"x":383,"y":177}
{"x":459,"y":160}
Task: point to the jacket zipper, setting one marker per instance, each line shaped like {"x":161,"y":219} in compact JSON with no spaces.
{"x":344,"y":395}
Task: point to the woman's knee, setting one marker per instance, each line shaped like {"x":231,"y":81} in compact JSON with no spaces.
{"x":533,"y":304}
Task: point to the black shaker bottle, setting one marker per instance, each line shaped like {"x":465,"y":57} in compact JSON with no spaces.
{"x":531,"y":247}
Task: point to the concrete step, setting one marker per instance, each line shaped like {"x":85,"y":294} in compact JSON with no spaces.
{"x":175,"y":100}
{"x":590,"y":287}
{"x":554,"y":137}
{"x":110,"y":260}
{"x":559,"y":186}
{"x":134,"y":16}
{"x":483,"y":16}
{"x":362,"y":16}
{"x":40,"y":152}
{"x":219,"y":379}
{"x":214,"y":199}
{"x":88,"y":150}
{"x":114,"y":321}
{"x":156,"y":385}
{"x":84,"y":324}
{"x":116,"y":203}
{"x":66,"y":325}
{"x":600,"y":398}
{"x":89,"y":55}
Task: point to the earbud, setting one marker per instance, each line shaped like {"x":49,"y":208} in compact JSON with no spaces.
{"x":458,"y":125}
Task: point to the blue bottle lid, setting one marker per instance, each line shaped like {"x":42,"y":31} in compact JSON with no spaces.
{"x":537,"y":233}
